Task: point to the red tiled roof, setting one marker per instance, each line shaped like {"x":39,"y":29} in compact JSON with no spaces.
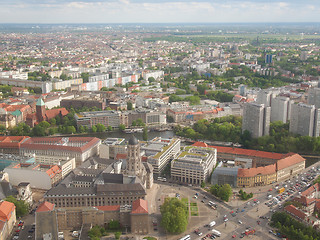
{"x":12,"y":141}
{"x":109,"y":208}
{"x":121,"y":156}
{"x":241,"y":151}
{"x":311,"y":189}
{"x":6,"y":209}
{"x":44,"y":143}
{"x":289,"y":160}
{"x":54,"y":112}
{"x":139,"y":206}
{"x":45,"y":207}
{"x":251,"y":172}
{"x":52,"y":172}
{"x":296,"y":212}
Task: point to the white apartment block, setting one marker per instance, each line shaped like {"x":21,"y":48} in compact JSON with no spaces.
{"x":160,"y":152}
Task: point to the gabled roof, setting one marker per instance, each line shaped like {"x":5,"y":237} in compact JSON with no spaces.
{"x":54,"y":112}
{"x":241,"y":151}
{"x":295,"y":212}
{"x":289,"y":160}
{"x":45,"y":207}
{"x":251,"y":172}
{"x":139,"y":206}
{"x":6,"y":209}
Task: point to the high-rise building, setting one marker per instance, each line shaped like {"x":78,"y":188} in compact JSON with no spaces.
{"x":268,"y":58}
{"x":280,"y":109}
{"x":265,"y":96}
{"x":304,"y":120}
{"x":256,"y":119}
{"x":314,"y":97}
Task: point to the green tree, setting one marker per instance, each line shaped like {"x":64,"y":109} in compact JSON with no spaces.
{"x":109,"y":128}
{"x":114,"y":225}
{"x":100,"y":127}
{"x":85,"y":77}
{"x":70,"y":129}
{"x":174,"y":215}
{"x":94,"y":129}
{"x":53,"y":121}
{"x":145,"y":134}
{"x":22,"y":208}
{"x":122,"y":127}
{"x":203,"y":184}
{"x":117,"y":235}
{"x":2,"y":129}
{"x":39,"y":131}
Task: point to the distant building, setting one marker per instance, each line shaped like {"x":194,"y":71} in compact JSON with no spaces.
{"x":39,"y":176}
{"x":280,"y":109}
{"x":80,"y":148}
{"x":225,"y":175}
{"x":194,"y":165}
{"x":268,"y":58}
{"x":304,"y":120}
{"x":106,"y":118}
{"x":11,"y":144}
{"x":111,"y":147}
{"x":50,"y":219}
{"x":42,"y":114}
{"x":256,"y":119}
{"x":304,"y":55}
{"x":81,"y":102}
{"x":314,"y":97}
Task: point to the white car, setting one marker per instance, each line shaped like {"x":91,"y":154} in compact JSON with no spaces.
{"x":239,"y":222}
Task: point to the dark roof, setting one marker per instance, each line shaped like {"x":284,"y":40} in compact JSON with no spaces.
{"x":116,"y":188}
{"x":6,"y":190}
{"x":133,"y":140}
{"x":61,"y":190}
{"x":80,"y":178}
{"x":112,"y":178}
{"x":23,"y":184}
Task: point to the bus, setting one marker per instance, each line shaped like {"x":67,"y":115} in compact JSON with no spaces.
{"x":185,"y":238}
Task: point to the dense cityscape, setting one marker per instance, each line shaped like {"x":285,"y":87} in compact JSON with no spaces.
{"x":160,"y":131}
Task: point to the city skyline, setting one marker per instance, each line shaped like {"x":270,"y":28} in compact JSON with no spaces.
{"x":155,"y":11}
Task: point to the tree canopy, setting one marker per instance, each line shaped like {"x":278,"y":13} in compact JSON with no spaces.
{"x":22,"y":208}
{"x":174,"y":215}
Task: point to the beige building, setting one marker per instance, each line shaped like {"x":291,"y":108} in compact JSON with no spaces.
{"x":66,"y":164}
{"x":160,"y":152}
{"x":7,"y":219}
{"x":80,"y":148}
{"x":289,"y":166}
{"x":134,"y":216}
{"x":193,"y":165}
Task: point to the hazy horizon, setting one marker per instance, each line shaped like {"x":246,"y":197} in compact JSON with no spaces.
{"x":156,"y":11}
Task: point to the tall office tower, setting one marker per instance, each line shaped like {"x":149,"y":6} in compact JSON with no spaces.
{"x":314,"y":97}
{"x":256,"y":119}
{"x":304,"y":120}
{"x":280,"y":109}
{"x":268,"y":58}
{"x":265,"y":96}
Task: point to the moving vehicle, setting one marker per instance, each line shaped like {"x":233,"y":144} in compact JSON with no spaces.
{"x":187,"y":237}
{"x":216,"y":233}
{"x":212,"y":224}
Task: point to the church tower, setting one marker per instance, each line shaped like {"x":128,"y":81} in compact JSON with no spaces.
{"x":133,"y":167}
{"x":40,"y":110}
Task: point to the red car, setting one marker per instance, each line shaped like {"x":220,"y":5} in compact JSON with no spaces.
{"x":234,"y":236}
{"x":18,"y":230}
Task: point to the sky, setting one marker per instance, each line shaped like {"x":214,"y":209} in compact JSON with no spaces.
{"x":158,"y":11}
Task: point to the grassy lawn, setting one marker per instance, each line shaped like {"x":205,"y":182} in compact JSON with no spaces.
{"x":194,"y":214}
{"x":194,"y":209}
{"x":150,"y":238}
{"x":193,"y":204}
{"x":184,"y":200}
